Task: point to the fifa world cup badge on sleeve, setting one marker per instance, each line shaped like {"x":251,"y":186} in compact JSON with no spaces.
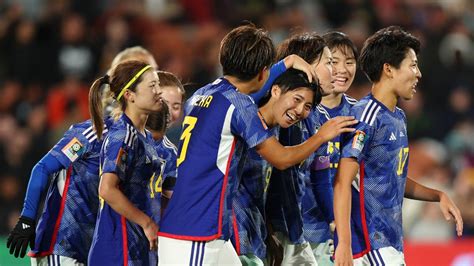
{"x":121,"y":159}
{"x":359,"y":140}
{"x":73,"y":149}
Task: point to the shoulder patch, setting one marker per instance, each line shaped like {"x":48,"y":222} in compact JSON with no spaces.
{"x":121,"y":159}
{"x":359,"y":140}
{"x":73,"y":149}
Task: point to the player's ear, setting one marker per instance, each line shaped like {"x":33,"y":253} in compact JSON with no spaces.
{"x":276,"y":91}
{"x":387,"y":70}
{"x":262,"y":74}
{"x":129,"y":95}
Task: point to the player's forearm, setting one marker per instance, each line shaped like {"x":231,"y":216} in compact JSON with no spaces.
{"x":347,"y":170}
{"x":342,"y":212}
{"x":292,"y":155}
{"x":416,"y":191}
{"x":120,"y":203}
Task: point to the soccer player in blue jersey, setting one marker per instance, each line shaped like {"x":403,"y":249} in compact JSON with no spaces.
{"x":344,"y":54}
{"x":221,"y":123}
{"x":291,"y":95}
{"x":372,"y":181}
{"x":336,"y":103}
{"x":124,"y":232}
{"x":293,"y":210}
{"x":163,"y":184}
{"x":66,"y":225}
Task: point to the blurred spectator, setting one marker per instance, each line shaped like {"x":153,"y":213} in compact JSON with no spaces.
{"x":70,"y":95}
{"x":464,"y":188}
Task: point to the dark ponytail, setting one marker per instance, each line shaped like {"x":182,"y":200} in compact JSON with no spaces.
{"x":95,"y":105}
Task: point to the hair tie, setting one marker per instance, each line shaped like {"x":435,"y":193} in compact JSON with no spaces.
{"x":105,"y":80}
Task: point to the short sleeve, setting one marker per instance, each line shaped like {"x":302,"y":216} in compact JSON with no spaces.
{"x":170,"y":167}
{"x":355,"y":143}
{"x":247,"y":125}
{"x":70,"y":147}
{"x":116,"y":155}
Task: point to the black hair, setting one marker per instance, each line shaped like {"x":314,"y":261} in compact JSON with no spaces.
{"x":340,"y":40}
{"x":308,"y":46}
{"x":158,"y":121}
{"x":293,"y":79}
{"x":245,"y":51}
{"x":388,"y":45}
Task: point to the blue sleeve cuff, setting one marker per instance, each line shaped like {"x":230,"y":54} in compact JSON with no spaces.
{"x":276,"y":70}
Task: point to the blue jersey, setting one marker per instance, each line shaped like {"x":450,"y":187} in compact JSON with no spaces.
{"x":292,"y":206}
{"x":249,"y":206}
{"x":334,"y":146}
{"x":132,"y":157}
{"x":67,"y":223}
{"x":220,"y":125}
{"x":380,"y":145}
{"x":316,"y":206}
{"x":167,"y":154}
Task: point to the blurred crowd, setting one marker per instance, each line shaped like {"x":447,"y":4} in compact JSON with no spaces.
{"x":51,"y":50}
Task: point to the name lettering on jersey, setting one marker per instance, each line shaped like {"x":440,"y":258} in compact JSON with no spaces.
{"x":392,"y":137}
{"x":73,"y":149}
{"x":358,"y":140}
{"x":202,"y":100}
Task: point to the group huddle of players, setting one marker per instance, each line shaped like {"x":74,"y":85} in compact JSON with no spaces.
{"x":276,"y":165}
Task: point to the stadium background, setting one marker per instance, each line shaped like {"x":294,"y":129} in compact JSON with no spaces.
{"x":51,"y":50}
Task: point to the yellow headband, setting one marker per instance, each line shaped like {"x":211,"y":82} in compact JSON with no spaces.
{"x":132,"y":81}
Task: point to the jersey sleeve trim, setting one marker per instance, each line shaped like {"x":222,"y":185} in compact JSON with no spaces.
{"x":365,"y":230}
{"x":370,"y":112}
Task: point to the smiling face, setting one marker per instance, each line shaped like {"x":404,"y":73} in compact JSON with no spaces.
{"x":173,"y":97}
{"x":291,"y":106}
{"x":407,"y":76}
{"x":147,"y":96}
{"x":344,"y":63}
{"x":324,"y":70}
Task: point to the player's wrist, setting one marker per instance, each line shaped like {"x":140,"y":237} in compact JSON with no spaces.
{"x":441,"y":196}
{"x":26,"y":219}
{"x":289,"y":61}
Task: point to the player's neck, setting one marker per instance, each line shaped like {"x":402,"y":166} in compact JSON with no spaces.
{"x":138,"y":119}
{"x":245,"y":87}
{"x":384,"y":94}
{"x":332,"y":100}
{"x":267,"y":114}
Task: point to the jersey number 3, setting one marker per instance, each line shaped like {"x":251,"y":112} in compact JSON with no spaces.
{"x":190,"y":121}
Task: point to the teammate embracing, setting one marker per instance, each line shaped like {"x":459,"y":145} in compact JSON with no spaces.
{"x":221,"y":123}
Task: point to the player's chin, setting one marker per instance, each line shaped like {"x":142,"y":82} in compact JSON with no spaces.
{"x":408,"y":96}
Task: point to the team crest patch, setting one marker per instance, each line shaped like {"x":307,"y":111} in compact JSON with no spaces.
{"x":121,"y":159}
{"x":73,"y":149}
{"x":359,"y":140}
